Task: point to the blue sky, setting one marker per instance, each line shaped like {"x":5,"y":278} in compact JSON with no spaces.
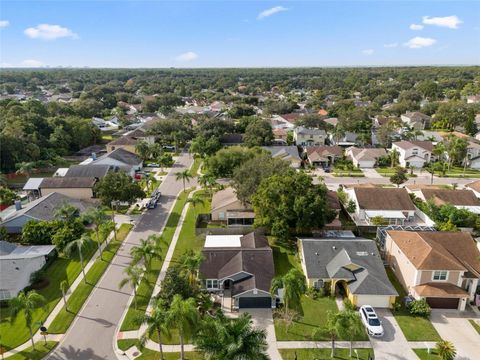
{"x":238,"y":33}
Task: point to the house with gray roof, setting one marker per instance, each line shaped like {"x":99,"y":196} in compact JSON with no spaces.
{"x":119,"y":158}
{"x":304,"y":136}
{"x":97,"y":171}
{"x":17,"y":264}
{"x":352,"y":265}
{"x":287,"y":153}
{"x":42,"y":209}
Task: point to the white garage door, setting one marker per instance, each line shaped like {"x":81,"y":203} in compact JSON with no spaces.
{"x":379,"y":301}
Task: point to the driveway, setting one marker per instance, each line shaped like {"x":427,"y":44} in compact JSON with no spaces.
{"x":92,"y":334}
{"x":393,"y":345}
{"x":371,"y":174}
{"x":454,"y":326}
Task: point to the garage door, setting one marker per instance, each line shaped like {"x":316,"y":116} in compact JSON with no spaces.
{"x":375,"y":301}
{"x":255,"y":302}
{"x":443,"y":303}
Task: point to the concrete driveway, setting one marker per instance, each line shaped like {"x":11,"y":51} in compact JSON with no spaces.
{"x":371,"y":174}
{"x":454,"y":326}
{"x":393,"y":345}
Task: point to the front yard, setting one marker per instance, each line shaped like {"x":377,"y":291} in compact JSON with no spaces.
{"x":318,"y":354}
{"x":389,"y":171}
{"x":458,"y":172}
{"x":414,"y":328}
{"x":41,"y":350}
{"x":423,"y":354}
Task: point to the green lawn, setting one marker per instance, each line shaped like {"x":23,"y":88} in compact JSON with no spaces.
{"x":388,"y":171}
{"x":415,"y":328}
{"x":64,"y":319}
{"x":343,"y":173}
{"x":476,"y":325}
{"x":62,"y":268}
{"x":196,"y":164}
{"x":318,"y":354}
{"x":41,"y":350}
{"x":423,"y":354}
{"x":457,"y":171}
{"x":284,"y":256}
{"x":148,"y":354}
{"x":126,"y":344}
{"x":145,"y":289}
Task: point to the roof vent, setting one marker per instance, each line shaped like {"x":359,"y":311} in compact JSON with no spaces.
{"x":334,"y":247}
{"x":316,"y":253}
{"x":362,"y":253}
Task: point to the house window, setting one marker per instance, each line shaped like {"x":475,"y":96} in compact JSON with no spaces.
{"x":415,"y":151}
{"x":440,"y":275}
{"x":318,"y":284}
{"x":221,"y":216}
{"x":211,"y":284}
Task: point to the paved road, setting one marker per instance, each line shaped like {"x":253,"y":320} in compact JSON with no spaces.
{"x":92,"y":334}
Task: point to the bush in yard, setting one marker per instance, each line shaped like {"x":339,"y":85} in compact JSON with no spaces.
{"x":446,"y":350}
{"x":351,"y":206}
{"x":313,"y":293}
{"x":419,"y":308}
{"x":348,"y":304}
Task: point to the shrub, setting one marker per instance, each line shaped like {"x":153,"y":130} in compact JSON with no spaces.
{"x":37,"y":276}
{"x":348,"y":304}
{"x":313,"y":293}
{"x":419,"y":308}
{"x":351,"y":207}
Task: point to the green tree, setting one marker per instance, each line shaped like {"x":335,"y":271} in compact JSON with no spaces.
{"x":189,"y":264}
{"x":7,"y":196}
{"x":293,"y":285}
{"x":399,"y":177}
{"x":195,"y":201}
{"x":349,"y":325}
{"x":64,"y":288}
{"x":97,"y":217}
{"x":67,"y":213}
{"x":25,"y":168}
{"x":330,"y":329}
{"x":184,"y":176}
{"x":446,"y":350}
{"x":394,"y":157}
{"x":116,"y":187}
{"x":258,"y":133}
{"x":26,"y":303}
{"x":79,"y":245}
{"x":183,"y":316}
{"x":226,"y":160}
{"x":142,"y":148}
{"x":165,"y":160}
{"x":176,"y":282}
{"x":147,"y":250}
{"x":134,"y":275}
{"x":224,"y":338}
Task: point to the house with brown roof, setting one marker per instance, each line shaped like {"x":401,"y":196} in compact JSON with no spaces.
{"x":129,"y":140}
{"x":365,"y":158}
{"x":393,"y":205}
{"x":239,"y":269}
{"x":280,"y":135}
{"x":475,"y":187}
{"x":461,"y":199}
{"x":228,"y":209}
{"x":416,"y":120}
{"x":441,"y":267}
{"x":413,"y":153}
{"x":81,"y":188}
{"x":322,"y":156}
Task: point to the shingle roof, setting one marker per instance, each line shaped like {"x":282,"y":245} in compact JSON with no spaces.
{"x":383,"y":198}
{"x":15,"y":251}
{"x":474,"y":185}
{"x":123,"y":156}
{"x":225,"y":197}
{"x":319,"y":152}
{"x":439,"y":250}
{"x":283,"y":152}
{"x":91,"y":170}
{"x":340,"y":256}
{"x":370,"y":154}
{"x":309,"y":131}
{"x":450,"y":196}
{"x":67,"y":182}
{"x":437,"y":289}
{"x":404,"y":144}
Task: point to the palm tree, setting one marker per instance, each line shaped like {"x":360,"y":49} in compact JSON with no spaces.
{"x":207,"y":182}
{"x":189,"y":264}
{"x":97,"y":217}
{"x":25,"y":168}
{"x":134,"y":277}
{"x":227,"y":338}
{"x":27,"y":302}
{"x":183,"y":316}
{"x":66,"y":212}
{"x":142,"y":149}
{"x":155,"y":150}
{"x":293,"y":284}
{"x":64,"y":288}
{"x":79,"y":245}
{"x":184,"y":176}
{"x":446,"y":350}
{"x":349,"y":325}
{"x":393,"y":157}
{"x":156,"y":323}
{"x":195,"y":201}
{"x":330,"y":329}
{"x":147,"y":250}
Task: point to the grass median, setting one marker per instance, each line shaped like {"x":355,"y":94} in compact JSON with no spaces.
{"x":75,"y":302}
{"x":41,"y":350}
{"x":145,"y":289}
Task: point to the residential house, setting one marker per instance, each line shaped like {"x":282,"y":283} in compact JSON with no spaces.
{"x":227,"y":208}
{"x":475,"y":187}
{"x":461,"y":199}
{"x":322,"y":112}
{"x":365,"y":158}
{"x":119,"y":158}
{"x":323,"y":156}
{"x":280,"y":136}
{"x":308,"y":136}
{"x":347,"y":139}
{"x":287,"y":153}
{"x":413,"y":153}
{"x":94,"y":170}
{"x":81,"y":188}
{"x":416,"y":120}
{"x":231,"y":139}
{"x":17,"y":264}
{"x":351,"y":264}
{"x":393,"y":205}
{"x":473,"y":155}
{"x":333,"y":203}
{"x":240,"y":269}
{"x":42,"y":209}
{"x":439,"y":266}
{"x":331,"y":121}
{"x":130,"y":139}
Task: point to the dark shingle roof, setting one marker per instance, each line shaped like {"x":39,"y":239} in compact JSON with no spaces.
{"x":383,"y":199}
{"x":123,"y":156}
{"x":450,"y":196}
{"x":92,"y":170}
{"x":67,"y":182}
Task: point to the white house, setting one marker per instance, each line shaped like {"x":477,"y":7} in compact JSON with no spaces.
{"x":413,"y":153}
{"x":308,"y":136}
{"x":416,"y":119}
{"x":364,"y":158}
{"x":17,"y":264}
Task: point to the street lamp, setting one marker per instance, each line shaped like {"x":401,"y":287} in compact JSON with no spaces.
{"x":44,"y":332}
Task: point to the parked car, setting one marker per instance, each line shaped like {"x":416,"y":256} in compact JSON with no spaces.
{"x":152,"y":204}
{"x":153,"y":165}
{"x":371,"y":321}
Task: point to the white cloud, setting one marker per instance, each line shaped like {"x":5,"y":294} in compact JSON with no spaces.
{"x":49,"y":32}
{"x":5,"y":65}
{"x":4,"y":23}
{"x":419,"y":42}
{"x":271,"y":11}
{"x":188,"y":56}
{"x":32,"y":63}
{"x":416,"y":27}
{"x":451,"y":22}
{"x":391,"y":45}
{"x":368,"y":51}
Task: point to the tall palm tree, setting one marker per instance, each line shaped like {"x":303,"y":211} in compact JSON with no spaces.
{"x":155,"y":150}
{"x":97,"y":217}
{"x":25,"y":168}
{"x":183,"y":316}
{"x":156,"y":322}
{"x":184,"y":176}
{"x":207,"y":181}
{"x":189,"y":265}
{"x":79,"y":245}
{"x":195,"y":201}
{"x":446,"y":350}
{"x":26,"y":302}
{"x":330,"y":329}
{"x":66,"y":212}
{"x":227,"y":338}
{"x":134,"y":275}
{"x":147,"y":250}
{"x":142,"y":149}
{"x":349,"y":325}
{"x":293,"y":284}
{"x":394,"y":157}
{"x":64,"y":289}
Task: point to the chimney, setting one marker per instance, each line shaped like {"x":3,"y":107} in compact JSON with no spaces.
{"x":94,"y":156}
{"x":18,"y":205}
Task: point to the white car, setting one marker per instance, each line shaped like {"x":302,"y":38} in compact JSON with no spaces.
{"x":371,"y":321}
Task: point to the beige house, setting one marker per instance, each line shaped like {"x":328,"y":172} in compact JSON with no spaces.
{"x":365,"y":158}
{"x":441,"y":267}
{"x":81,"y":188}
{"x":227,"y":208}
{"x":129,"y":140}
{"x":308,"y":136}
